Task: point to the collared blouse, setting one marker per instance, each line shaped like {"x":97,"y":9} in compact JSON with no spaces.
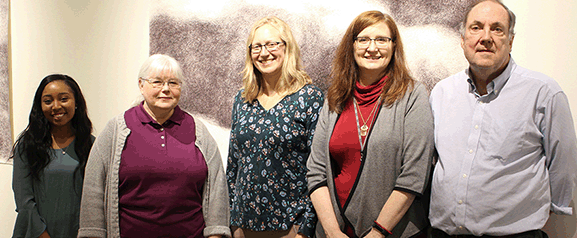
{"x":162,"y":174}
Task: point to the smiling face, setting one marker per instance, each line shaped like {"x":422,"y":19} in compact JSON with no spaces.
{"x":373,"y":60}
{"x":268,"y":63}
{"x":159,"y":99}
{"x":58,"y":103}
{"x":486,"y":42}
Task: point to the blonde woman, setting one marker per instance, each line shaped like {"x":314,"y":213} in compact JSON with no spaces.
{"x":273,"y":122}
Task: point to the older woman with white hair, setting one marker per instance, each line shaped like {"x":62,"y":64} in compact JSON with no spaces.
{"x":154,"y":170}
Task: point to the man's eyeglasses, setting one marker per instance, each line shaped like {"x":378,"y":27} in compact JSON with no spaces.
{"x":158,"y":83}
{"x":364,"y":42}
{"x":271,"y":46}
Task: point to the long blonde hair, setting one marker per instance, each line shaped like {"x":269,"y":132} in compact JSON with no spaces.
{"x":292,"y":76}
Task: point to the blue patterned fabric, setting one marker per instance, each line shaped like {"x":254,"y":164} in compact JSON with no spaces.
{"x":267,"y":159}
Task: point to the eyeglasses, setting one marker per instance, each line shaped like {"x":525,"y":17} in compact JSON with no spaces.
{"x":364,"y":42}
{"x":158,"y":83}
{"x":271,"y":46}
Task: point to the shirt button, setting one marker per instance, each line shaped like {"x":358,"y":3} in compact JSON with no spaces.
{"x":460,"y":201}
{"x":461,"y":227}
{"x":161,"y":129}
{"x":162,"y":145}
{"x":476,"y":126}
{"x":162,"y":137}
{"x":470,"y":151}
{"x":464,"y":175}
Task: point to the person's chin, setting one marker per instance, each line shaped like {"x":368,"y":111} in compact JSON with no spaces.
{"x":484,"y":63}
{"x":165,"y":105}
{"x":268,"y":70}
{"x":376,"y":66}
{"x":59,"y":123}
{"x":484,"y":56}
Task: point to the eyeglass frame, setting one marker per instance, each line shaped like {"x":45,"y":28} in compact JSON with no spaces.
{"x":277,"y":44}
{"x":388,"y":41}
{"x":167,"y":82}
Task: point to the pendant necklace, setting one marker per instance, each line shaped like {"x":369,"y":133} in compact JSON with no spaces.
{"x":363,"y":130}
{"x":58,"y":146}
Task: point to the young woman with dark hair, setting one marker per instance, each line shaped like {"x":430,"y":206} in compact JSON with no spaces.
{"x":49,"y":160}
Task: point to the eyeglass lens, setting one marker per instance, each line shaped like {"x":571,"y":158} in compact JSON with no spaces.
{"x":271,"y":46}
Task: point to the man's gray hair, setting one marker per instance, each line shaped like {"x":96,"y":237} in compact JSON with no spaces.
{"x":512,"y":17}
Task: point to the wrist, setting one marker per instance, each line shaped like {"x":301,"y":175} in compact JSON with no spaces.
{"x":376,"y":233}
{"x":333,"y":233}
{"x":381,"y":229}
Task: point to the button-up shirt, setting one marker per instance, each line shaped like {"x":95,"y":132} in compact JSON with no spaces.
{"x":506,"y":158}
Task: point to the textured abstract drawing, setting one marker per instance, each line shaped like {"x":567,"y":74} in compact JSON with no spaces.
{"x":209,"y":39}
{"x":5,"y":131}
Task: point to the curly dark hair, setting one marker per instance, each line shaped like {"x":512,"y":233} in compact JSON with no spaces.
{"x":35,"y":142}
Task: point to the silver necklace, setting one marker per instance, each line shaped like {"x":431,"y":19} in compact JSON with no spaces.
{"x":64,"y":150}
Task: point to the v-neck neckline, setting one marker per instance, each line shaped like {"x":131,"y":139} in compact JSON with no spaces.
{"x":273,"y":106}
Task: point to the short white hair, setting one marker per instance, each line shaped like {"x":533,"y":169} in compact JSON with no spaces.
{"x":160,"y":63}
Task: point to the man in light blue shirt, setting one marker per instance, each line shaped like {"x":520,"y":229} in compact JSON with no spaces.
{"x":505,"y":139}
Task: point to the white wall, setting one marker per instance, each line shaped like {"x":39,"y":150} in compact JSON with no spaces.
{"x":101,"y":44}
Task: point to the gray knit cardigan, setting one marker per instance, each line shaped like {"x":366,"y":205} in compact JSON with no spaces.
{"x":399,"y":157}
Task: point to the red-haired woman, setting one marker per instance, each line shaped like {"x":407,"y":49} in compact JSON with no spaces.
{"x":373,"y":145}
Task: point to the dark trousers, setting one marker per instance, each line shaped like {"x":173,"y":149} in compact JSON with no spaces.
{"x":436,"y":233}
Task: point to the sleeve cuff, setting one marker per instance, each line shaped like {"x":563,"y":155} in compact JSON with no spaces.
{"x":216,"y":230}
{"x":561,"y":210}
{"x":91,"y":232}
{"x":29,"y":224}
{"x":408,"y":191}
{"x":315,"y":187}
{"x":306,"y":230}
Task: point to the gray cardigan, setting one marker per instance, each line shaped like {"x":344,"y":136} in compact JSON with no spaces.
{"x":399,"y":157}
{"x":99,"y":207}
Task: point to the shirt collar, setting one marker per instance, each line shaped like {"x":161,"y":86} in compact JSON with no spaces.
{"x":177,"y":116}
{"x":496,"y":84}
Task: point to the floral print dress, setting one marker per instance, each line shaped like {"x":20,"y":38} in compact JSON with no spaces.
{"x":266,"y":171}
